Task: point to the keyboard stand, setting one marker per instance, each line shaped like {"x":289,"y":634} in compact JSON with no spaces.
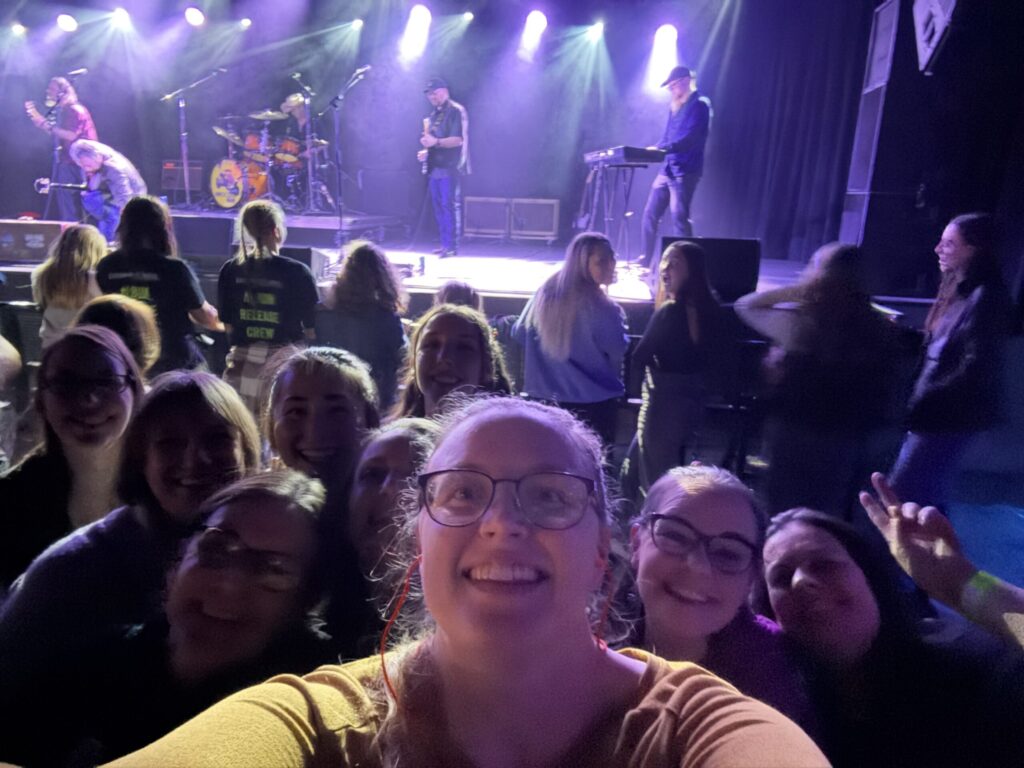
{"x":608,"y":183}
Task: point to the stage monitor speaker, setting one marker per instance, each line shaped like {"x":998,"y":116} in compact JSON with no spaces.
{"x":171,"y":177}
{"x":28,"y":240}
{"x":486,"y":216}
{"x":317,"y":259}
{"x":534,"y":218}
{"x":734,"y":264}
{"x":205,"y":241}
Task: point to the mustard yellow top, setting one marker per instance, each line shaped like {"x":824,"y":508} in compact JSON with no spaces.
{"x":683,"y":716}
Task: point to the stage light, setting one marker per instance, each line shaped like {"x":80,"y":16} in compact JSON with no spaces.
{"x":595,"y":32}
{"x":536,"y":23}
{"x":245,"y":23}
{"x":417,"y":30}
{"x":194,"y":16}
{"x":467,"y":16}
{"x":67,"y":23}
{"x":120,"y":19}
{"x":18,"y":29}
{"x":663,"y":57}
{"x":357,"y":24}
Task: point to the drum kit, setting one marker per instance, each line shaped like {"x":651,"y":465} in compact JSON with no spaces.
{"x":259,"y":164}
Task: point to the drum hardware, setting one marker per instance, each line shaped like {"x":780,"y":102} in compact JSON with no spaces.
{"x":268,"y":115}
{"x":231,"y":137}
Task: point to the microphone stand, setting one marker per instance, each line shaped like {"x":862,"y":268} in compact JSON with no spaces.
{"x":183,"y":126}
{"x":307,"y":105}
{"x":336,"y":104}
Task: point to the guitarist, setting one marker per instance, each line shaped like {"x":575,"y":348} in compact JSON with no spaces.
{"x":66,"y":121}
{"x":445,"y":156}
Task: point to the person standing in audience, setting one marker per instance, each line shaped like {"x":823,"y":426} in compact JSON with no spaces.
{"x":190,"y":437}
{"x":88,"y":388}
{"x":266,"y":300}
{"x":574,"y":336}
{"x":886,"y":691}
{"x":696,"y":556}
{"x":452,"y":349}
{"x":503,"y":662}
{"x":146,"y":267}
{"x":957,"y":392}
{"x":835,"y":376}
{"x":63,"y":283}
{"x":674,"y":355}
{"x":132,"y":320}
{"x":363,"y":315}
{"x":320,"y":405}
{"x":458,"y":292}
{"x":238,"y":608}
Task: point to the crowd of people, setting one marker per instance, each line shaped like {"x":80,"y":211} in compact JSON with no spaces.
{"x":368,"y":546}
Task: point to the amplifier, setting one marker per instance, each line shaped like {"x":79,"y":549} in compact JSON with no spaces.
{"x":28,"y":240}
{"x":171,"y":177}
{"x":534,"y":218}
{"x":486,"y":216}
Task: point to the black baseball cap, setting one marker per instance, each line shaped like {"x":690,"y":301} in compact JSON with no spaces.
{"x":434,"y":83}
{"x":676,"y":74}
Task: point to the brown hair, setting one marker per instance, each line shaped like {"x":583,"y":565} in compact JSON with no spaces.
{"x":458,"y":292}
{"x":367,"y":277}
{"x":146,"y":225}
{"x":496,"y":378}
{"x":63,"y":279}
{"x":185,"y":389}
{"x":131,"y":319}
{"x":258,"y":219}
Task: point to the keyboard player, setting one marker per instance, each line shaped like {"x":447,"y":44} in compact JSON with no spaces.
{"x":686,"y":133}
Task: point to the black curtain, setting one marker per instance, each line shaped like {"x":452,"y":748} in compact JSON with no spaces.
{"x":786,"y":86}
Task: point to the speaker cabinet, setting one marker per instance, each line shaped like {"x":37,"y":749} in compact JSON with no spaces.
{"x":28,"y":241}
{"x":486,"y":216}
{"x":734,"y":264}
{"x":534,"y":218}
{"x":172,"y":179}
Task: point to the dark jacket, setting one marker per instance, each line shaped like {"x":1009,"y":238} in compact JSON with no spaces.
{"x":957,"y":389}
{"x":686,"y":132}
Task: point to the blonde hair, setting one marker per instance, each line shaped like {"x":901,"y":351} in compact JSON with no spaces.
{"x":63,"y":279}
{"x":567,"y":297}
{"x":258,"y":219}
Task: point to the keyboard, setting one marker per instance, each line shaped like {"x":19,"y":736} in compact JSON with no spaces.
{"x":624,"y":155}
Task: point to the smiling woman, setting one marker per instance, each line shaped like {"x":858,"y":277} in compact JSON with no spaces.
{"x":509,"y":671}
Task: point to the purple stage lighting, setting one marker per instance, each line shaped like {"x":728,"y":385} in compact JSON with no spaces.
{"x":66,"y":23}
{"x":357,"y":24}
{"x":467,"y":16}
{"x":194,"y":16}
{"x":120,"y":19}
{"x":595,"y":32}
{"x":417,"y":30}
{"x":18,"y":29}
{"x":536,"y":23}
{"x":663,"y":57}
{"x":245,"y":23}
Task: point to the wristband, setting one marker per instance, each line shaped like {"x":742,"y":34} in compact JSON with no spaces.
{"x":975,"y":592}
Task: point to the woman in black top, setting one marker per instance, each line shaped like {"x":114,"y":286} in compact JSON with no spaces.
{"x":957,"y":391}
{"x":267,"y":300}
{"x":674,"y":354}
{"x":146,"y":267}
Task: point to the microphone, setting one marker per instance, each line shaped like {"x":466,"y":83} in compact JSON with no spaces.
{"x":77,"y":72}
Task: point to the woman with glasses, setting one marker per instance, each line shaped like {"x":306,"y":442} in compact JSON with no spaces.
{"x":89,"y":387}
{"x":237,"y":610}
{"x":696,"y":558}
{"x":502,"y":663}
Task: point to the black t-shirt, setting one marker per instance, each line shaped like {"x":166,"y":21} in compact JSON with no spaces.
{"x":667,"y":346}
{"x":168,"y":285}
{"x":269,"y":300}
{"x":445,"y":121}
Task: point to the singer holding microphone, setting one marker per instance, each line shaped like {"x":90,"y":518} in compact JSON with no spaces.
{"x":66,"y":120}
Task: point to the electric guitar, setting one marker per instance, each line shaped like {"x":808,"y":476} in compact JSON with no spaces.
{"x":426,"y":155}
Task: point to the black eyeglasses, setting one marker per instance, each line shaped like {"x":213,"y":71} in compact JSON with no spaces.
{"x":217,"y":549}
{"x":553,"y":500}
{"x":728,"y":553}
{"x":70,"y":387}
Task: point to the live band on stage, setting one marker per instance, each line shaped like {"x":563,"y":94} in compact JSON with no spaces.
{"x":290,"y":154}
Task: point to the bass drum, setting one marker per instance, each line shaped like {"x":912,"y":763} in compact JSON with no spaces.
{"x":232,"y":182}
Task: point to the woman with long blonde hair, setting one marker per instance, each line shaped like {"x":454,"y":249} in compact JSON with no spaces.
{"x":574,"y":336}
{"x":66,"y":281}
{"x":267,"y":301}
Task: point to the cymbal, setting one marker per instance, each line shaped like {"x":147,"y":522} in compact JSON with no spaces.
{"x":268,"y":114}
{"x":231,"y":119}
{"x":318,"y":144}
{"x":230,"y":136}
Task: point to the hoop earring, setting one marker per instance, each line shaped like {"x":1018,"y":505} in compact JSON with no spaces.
{"x":406,"y":585}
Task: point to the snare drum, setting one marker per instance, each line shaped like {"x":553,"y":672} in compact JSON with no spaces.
{"x":287,"y":153}
{"x":253,"y":150}
{"x":231,"y":182}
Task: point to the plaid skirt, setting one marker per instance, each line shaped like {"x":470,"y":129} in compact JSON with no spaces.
{"x":243,"y":370}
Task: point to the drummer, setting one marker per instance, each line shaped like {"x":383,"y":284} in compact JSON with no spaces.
{"x":295,"y":106}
